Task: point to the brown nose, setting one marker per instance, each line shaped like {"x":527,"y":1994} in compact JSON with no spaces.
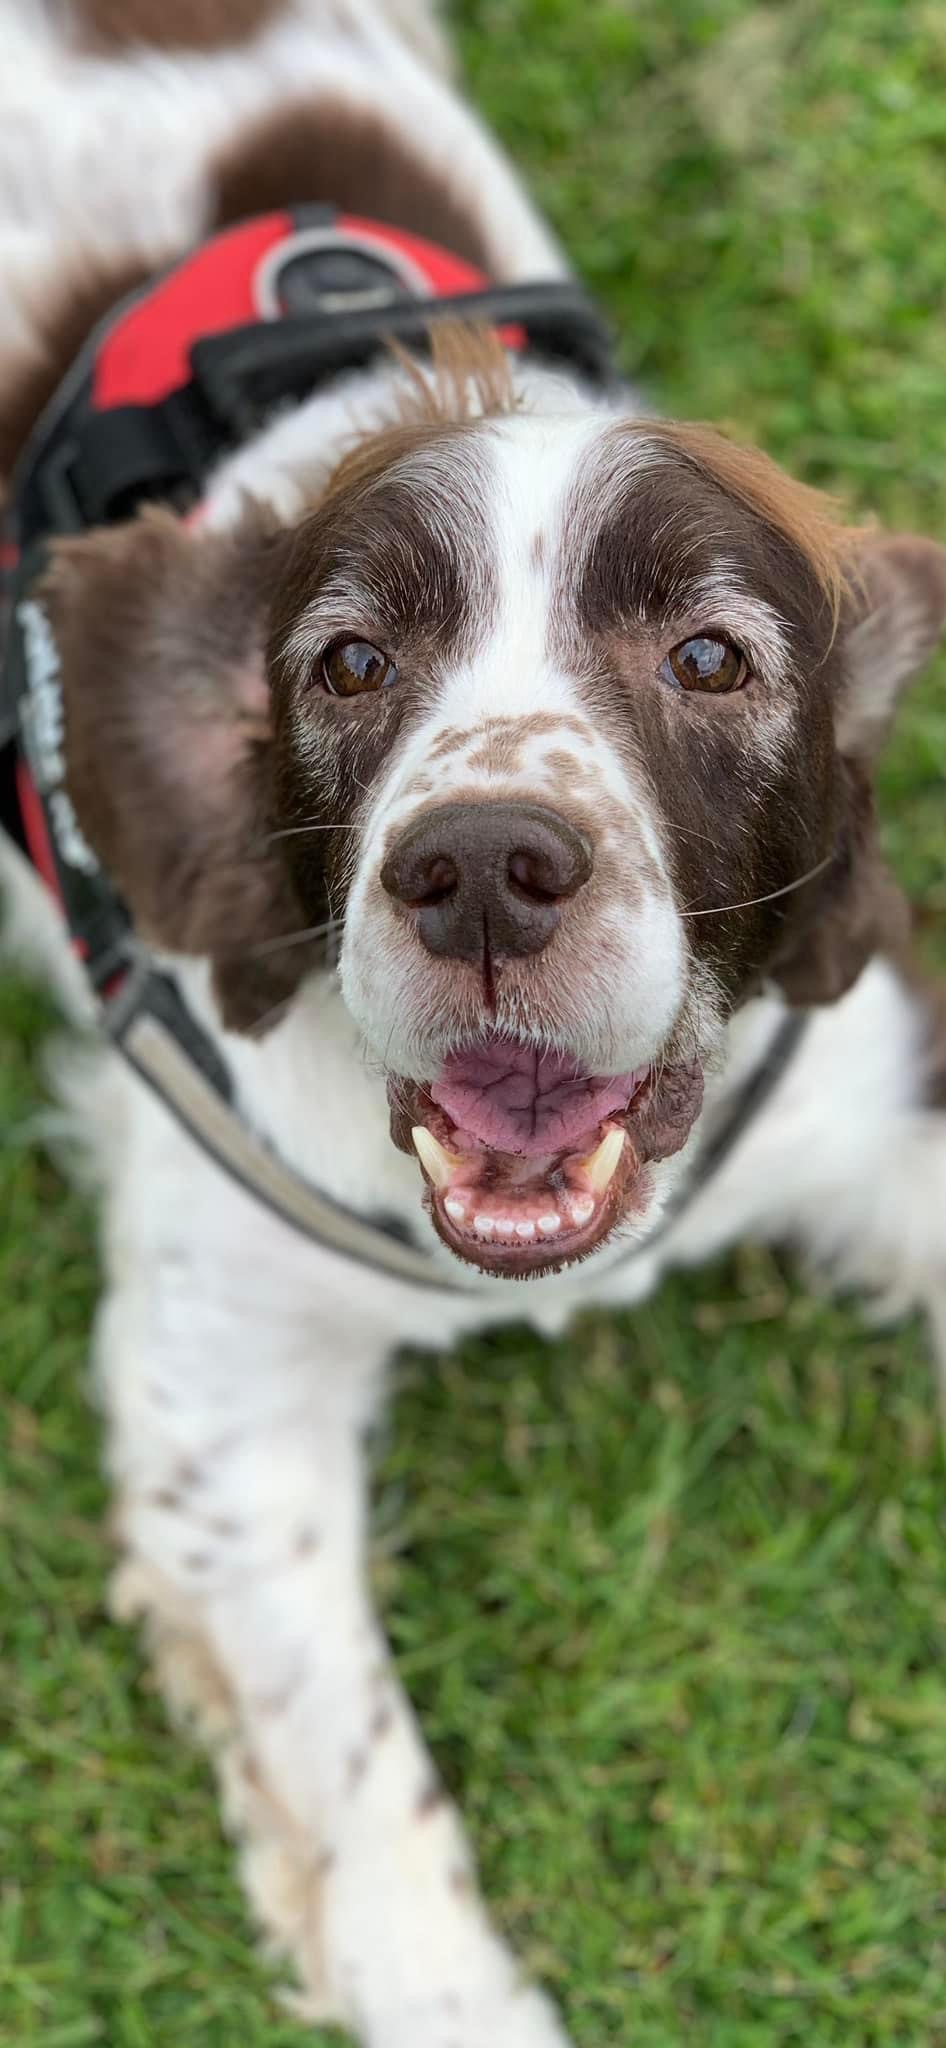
{"x":487,"y":875}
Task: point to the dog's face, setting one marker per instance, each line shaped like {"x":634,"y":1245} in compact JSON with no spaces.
{"x":555,"y":721}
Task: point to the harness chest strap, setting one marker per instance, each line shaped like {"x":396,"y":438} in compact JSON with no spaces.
{"x":157,"y":1055}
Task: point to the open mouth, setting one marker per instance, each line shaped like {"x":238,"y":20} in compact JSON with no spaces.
{"x":529,"y":1162}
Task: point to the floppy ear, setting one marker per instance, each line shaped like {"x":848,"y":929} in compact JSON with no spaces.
{"x":167,"y":729}
{"x":891,"y":623}
{"x":895,"y":617}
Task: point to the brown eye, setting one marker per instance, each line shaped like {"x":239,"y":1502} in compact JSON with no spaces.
{"x":351,"y":666}
{"x":705,"y":663}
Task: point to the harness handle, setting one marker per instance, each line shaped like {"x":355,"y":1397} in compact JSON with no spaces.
{"x":248,"y":369}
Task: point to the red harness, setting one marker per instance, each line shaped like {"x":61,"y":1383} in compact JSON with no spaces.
{"x":245,"y":275}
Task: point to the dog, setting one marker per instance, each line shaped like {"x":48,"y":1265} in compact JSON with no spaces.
{"x":482,"y":769}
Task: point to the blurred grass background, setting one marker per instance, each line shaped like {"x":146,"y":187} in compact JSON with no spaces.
{"x":670,"y":1596}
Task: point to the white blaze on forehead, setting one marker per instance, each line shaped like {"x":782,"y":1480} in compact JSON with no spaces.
{"x":534,"y":464}
{"x":510,"y":673}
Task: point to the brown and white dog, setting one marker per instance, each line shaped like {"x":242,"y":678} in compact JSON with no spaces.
{"x":560,"y":721}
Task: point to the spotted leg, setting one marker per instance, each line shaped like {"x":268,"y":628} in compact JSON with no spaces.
{"x":237,"y":1445}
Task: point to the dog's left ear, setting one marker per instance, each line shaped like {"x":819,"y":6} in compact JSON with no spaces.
{"x":894,"y":617}
{"x":891,"y":621}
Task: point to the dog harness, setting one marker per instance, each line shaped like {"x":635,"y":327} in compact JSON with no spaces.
{"x":180,"y":374}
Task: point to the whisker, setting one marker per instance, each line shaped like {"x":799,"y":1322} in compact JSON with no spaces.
{"x":273,"y":1016}
{"x":332,"y":930}
{"x":719,"y":909}
{"x":292,"y":831}
{"x":286,"y":939}
{"x":688,"y":832}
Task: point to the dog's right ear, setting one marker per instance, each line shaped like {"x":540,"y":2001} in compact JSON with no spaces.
{"x":160,"y":633}
{"x":897,"y":614}
{"x":893,"y":617}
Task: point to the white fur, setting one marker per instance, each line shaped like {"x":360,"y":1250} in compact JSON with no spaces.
{"x":239,"y":1366}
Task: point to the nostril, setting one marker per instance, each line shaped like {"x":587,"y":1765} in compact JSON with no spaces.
{"x":439,"y":884}
{"x":531,"y":877}
{"x":427,"y":880}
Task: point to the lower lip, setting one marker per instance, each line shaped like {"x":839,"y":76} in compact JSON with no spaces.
{"x":524,"y":1254}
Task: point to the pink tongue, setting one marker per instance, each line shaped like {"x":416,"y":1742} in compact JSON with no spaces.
{"x":515,"y":1099}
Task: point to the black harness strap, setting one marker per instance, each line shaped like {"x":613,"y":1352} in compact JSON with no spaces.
{"x":759,"y":1085}
{"x":100,"y":465}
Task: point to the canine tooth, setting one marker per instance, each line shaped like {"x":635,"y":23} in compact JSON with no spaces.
{"x":582,"y":1208}
{"x":525,"y":1229}
{"x":430,"y":1152}
{"x":601,"y":1165}
{"x":483,"y":1225}
{"x":455,"y":1209}
{"x":549,"y":1225}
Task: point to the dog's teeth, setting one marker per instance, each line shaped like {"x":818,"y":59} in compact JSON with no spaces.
{"x":506,"y":1226}
{"x":601,"y":1165}
{"x":582,"y":1208}
{"x":436,"y":1162}
{"x":549,"y":1225}
{"x":455,"y":1209}
{"x":483,"y":1225}
{"x":525,"y":1229}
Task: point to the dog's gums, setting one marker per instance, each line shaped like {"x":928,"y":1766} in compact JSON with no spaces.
{"x":529,"y":1164}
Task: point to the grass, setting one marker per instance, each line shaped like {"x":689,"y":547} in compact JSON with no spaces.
{"x":671,"y":1596}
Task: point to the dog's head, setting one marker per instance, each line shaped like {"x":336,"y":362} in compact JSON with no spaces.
{"x":564,"y":725}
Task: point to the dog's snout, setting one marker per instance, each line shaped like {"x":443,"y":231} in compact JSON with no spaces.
{"x":487,"y":874}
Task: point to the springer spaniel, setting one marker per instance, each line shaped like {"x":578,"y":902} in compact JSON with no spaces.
{"x":489,"y":764}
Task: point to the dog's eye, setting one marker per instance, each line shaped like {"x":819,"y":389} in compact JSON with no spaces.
{"x":350,"y":666}
{"x":705,"y":663}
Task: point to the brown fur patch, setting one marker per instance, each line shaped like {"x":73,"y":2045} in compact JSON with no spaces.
{"x":566,"y":767}
{"x":933,"y":999}
{"x":327,"y":152}
{"x":470,"y":376}
{"x":167,"y":743}
{"x":430,"y":1800}
{"x":854,"y":911}
{"x":499,"y":753}
{"x":809,"y":519}
{"x":518,"y":728}
{"x":62,"y":322}
{"x":172,"y":24}
{"x":655,"y":537}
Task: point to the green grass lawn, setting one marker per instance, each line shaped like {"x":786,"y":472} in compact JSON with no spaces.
{"x":670,"y":1596}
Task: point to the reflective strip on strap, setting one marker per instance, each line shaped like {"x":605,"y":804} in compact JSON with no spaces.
{"x":156,"y":1056}
{"x":185,"y":1087}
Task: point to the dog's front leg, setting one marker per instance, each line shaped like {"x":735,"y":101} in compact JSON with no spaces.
{"x":238,"y":1446}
